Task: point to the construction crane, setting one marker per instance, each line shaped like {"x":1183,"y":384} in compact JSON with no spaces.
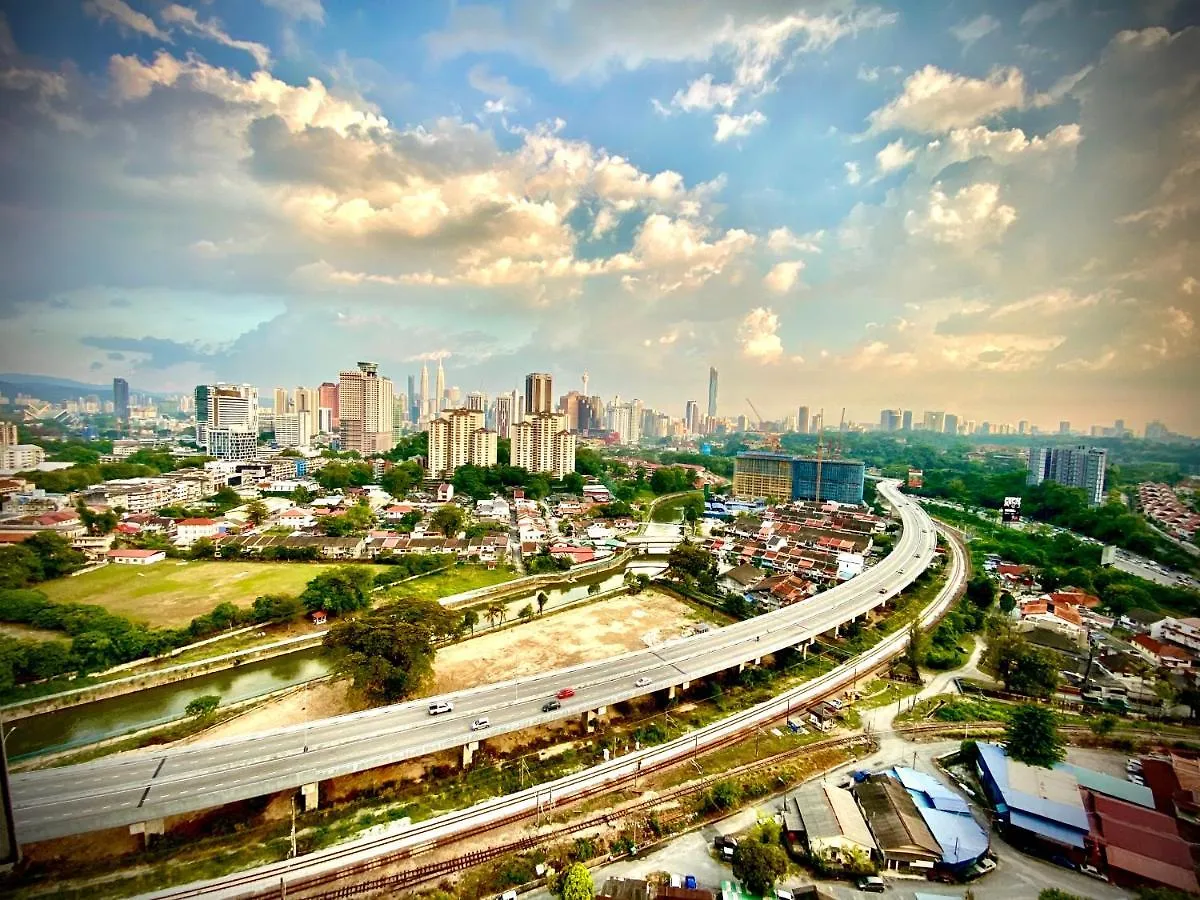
{"x":841,"y":431}
{"x":820,"y":448}
{"x":771,"y":439}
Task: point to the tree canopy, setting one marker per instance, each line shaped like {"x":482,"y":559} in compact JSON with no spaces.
{"x":340,"y":590}
{"x":758,"y":865}
{"x":574,"y":883}
{"x":1031,"y":736}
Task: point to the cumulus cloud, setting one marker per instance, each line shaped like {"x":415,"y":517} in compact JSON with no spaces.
{"x":783,"y":276}
{"x":782,"y":240}
{"x":729,"y":127}
{"x":498,"y":87}
{"x":853,"y":175}
{"x":894,"y":156}
{"x":971,"y":217}
{"x":936,"y":101}
{"x":758,"y":335}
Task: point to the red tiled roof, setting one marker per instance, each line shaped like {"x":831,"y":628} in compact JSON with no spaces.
{"x":16,"y":537}
{"x":196,"y":522}
{"x":133,"y":553}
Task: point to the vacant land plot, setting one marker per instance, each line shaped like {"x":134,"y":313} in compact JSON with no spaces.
{"x":454,"y":580}
{"x":173,"y":592}
{"x":672,"y":510}
{"x":594,"y":631}
{"x":25,"y":633}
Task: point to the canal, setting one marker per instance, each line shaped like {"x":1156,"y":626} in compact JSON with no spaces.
{"x":88,"y":723}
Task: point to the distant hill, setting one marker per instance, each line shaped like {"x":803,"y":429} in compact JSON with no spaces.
{"x":56,"y":390}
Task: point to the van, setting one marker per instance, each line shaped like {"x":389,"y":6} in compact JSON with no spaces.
{"x":508,"y":895}
{"x":437,"y":707}
{"x":480,"y":724}
{"x":872,"y":884}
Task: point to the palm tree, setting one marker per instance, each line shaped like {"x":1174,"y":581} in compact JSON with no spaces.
{"x":495,"y":613}
{"x":470,"y":619}
{"x":542,"y":600}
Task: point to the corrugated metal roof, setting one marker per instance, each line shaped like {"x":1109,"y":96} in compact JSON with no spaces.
{"x":930,"y":791}
{"x":1045,"y":794}
{"x":946,"y":814}
{"x":849,"y":816}
{"x":1055,"y":831}
{"x":1111,"y":786}
{"x":894,"y":819}
{"x":1152,"y":869}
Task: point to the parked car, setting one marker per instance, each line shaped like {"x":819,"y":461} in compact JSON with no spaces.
{"x":784,"y":894}
{"x":551,"y":705}
{"x":1137,"y":779}
{"x":437,"y":707}
{"x":642,"y":682}
{"x":725,"y":845}
{"x":872,"y":884}
{"x":564,"y":693}
{"x":1093,"y":871}
{"x":480,"y":724}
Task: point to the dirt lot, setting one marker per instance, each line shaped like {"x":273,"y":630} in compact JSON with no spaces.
{"x":25,"y":633}
{"x":317,"y":701}
{"x":594,"y":631}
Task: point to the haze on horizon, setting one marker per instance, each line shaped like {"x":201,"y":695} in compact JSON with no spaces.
{"x":989,"y":208}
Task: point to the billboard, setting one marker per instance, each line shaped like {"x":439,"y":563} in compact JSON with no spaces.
{"x":1011,"y":510}
{"x":916,"y":478}
{"x":1108,"y":555}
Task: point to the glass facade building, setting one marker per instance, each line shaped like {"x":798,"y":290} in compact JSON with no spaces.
{"x":785,"y":477}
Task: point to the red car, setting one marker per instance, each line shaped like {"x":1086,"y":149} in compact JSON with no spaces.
{"x":565,"y":693}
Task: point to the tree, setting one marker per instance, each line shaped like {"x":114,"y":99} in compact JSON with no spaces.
{"x":526,"y":612}
{"x":593,"y":588}
{"x":542,"y":600}
{"x":574,"y":883}
{"x":758,"y":866}
{"x":690,"y":560}
{"x":58,"y":557}
{"x":1031,"y":736}
{"x":399,"y":479}
{"x":202,"y":548}
{"x":914,"y":650}
{"x":981,"y":591}
{"x":1007,"y":602}
{"x":448,"y":519}
{"x":256,"y":513}
{"x":340,"y":590}
{"x":470,"y":619}
{"x":301,"y":496}
{"x":203,"y":707}
{"x":1024,"y":668}
{"x":496,"y":613}
{"x":275,"y":608}
{"x":1103,"y":726}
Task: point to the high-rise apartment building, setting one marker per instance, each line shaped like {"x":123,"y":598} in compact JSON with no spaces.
{"x":1157,"y":431}
{"x":459,"y":437}
{"x":906,"y":420}
{"x":1064,"y":427}
{"x":889,"y":419}
{"x":625,"y":421}
{"x":227,"y":420}
{"x":950,"y":424}
{"x":292,"y":429}
{"x":1023,"y":426}
{"x":506,"y":414}
{"x":537,"y":393}
{"x":121,"y":400}
{"x":802,"y":420}
{"x":542,"y":443}
{"x":712,"y":392}
{"x":365,"y":400}
{"x":307,"y":402}
{"x":691,"y":417}
{"x":477,"y":400}
{"x":1081,"y":467}
{"x":573,"y":405}
{"x":327,"y":398}
{"x":414,"y":400}
{"x":279,"y":400}
{"x":934,"y":421}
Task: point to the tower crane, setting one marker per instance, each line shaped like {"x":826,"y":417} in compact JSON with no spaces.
{"x":771,"y":439}
{"x":820,"y":449}
{"x":841,"y":432}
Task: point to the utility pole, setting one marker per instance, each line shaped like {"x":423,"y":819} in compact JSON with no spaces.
{"x":293,"y":853}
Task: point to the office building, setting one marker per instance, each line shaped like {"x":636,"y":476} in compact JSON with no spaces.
{"x":477,"y":400}
{"x":935,"y":421}
{"x":537,"y":394}
{"x":784,"y":477}
{"x":426,"y":402}
{"x":802,"y":420}
{"x":327,"y":398}
{"x":1064,"y":427}
{"x":1080,"y":467}
{"x":542,"y":443}
{"x":889,"y":419}
{"x":906,"y":420}
{"x":712,"y":392}
{"x":439,"y":389}
{"x":292,"y":429}
{"x":227,"y":420}
{"x":691,"y":417}
{"x":950,"y":424}
{"x":121,"y":400}
{"x":459,"y":437}
{"x":365,"y":400}
{"x":1023,"y":426}
{"x":572,"y":405}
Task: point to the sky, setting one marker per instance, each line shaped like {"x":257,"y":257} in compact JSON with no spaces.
{"x":988,"y":208}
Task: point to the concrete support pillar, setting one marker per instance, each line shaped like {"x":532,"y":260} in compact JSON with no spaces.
{"x":685,"y":685}
{"x":837,"y":631}
{"x":804,"y":649}
{"x":758,"y":660}
{"x":741,"y":668}
{"x":469,"y":752}
{"x":149,"y":829}
{"x":591,"y":719}
{"x":671,"y":693}
{"x":311,"y":795}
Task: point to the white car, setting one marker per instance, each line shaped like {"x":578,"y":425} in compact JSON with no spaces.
{"x":642,"y":682}
{"x":480,"y":724}
{"x":437,"y":707}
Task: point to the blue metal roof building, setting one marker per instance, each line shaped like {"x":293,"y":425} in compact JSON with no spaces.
{"x":1043,"y":803}
{"x":947,"y":815}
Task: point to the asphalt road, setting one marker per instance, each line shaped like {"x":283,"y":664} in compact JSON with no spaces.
{"x":122,"y":791}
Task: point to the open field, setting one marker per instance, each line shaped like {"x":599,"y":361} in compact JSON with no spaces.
{"x":594,"y":631}
{"x":173,"y":592}
{"x":26,"y":633}
{"x":669,"y":510}
{"x":454,"y":580}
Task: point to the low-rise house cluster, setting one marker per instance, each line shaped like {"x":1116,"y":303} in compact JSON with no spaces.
{"x":1162,"y":506}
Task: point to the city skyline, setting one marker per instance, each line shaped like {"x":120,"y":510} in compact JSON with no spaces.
{"x":832,"y":205}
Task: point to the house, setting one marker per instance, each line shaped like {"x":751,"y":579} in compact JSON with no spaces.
{"x":297,"y":518}
{"x":132,"y":557}
{"x":1141,"y":620}
{"x":1183,"y":632}
{"x":188,"y":531}
{"x":741,"y":578}
{"x":1165,"y":656}
{"x":1140,"y":845}
{"x":319,"y":617}
{"x":624,"y":889}
{"x":445,"y":492}
{"x":597,"y":492}
{"x":1044,"y":611}
{"x":828,"y":824}
{"x":575,"y":555}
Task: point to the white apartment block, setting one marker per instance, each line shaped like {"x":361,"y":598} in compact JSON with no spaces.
{"x":231,"y":442}
{"x":626,"y":420}
{"x":20,"y":457}
{"x":292,"y":429}
{"x":459,"y":438}
{"x":542,"y":443}
{"x":365,"y":401}
{"x":1181,"y":632}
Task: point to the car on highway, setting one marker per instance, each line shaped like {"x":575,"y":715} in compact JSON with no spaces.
{"x":551,"y":705}
{"x":480,"y":724}
{"x":437,"y":707}
{"x":883,"y":590}
{"x":642,"y":682}
{"x":564,"y":693}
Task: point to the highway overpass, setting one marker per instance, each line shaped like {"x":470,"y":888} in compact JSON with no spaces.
{"x":140,"y":791}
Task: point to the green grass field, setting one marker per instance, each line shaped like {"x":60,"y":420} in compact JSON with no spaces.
{"x":670,"y":510}
{"x":173,"y":592}
{"x":455,"y":580}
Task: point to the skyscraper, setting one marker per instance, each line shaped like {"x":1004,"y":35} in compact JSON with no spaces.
{"x":802,"y":420}
{"x":121,"y":400}
{"x":542,"y":443}
{"x":1064,"y":427}
{"x":477,"y":400}
{"x":906,"y":420}
{"x":1081,"y":467}
{"x":506,"y":410}
{"x":573,"y":405}
{"x":950,"y":425}
{"x":426,"y":406}
{"x":439,"y":389}
{"x":691,"y":417}
{"x":712,"y":392}
{"x":414,"y":401}
{"x":327,"y":398}
{"x":365,"y":406}
{"x":279,"y":403}
{"x":889,"y":419}
{"x":585,"y":384}
{"x":307,"y":403}
{"x":537,"y":393}
{"x":458,"y":438}
{"x":227,"y":422}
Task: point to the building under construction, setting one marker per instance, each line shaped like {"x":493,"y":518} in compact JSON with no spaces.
{"x":783,"y":477}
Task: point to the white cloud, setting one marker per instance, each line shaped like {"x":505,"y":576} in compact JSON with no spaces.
{"x":894,"y":156}
{"x":704,"y":94}
{"x":1190,"y":285}
{"x":970,"y":32}
{"x":935,"y":101}
{"x":736,"y":126}
{"x":972,"y":217}
{"x":853,"y":175}
{"x":1002,"y":147}
{"x":783,"y":276}
{"x":781,"y":240}
{"x":189,"y":21}
{"x":759,"y":337}
{"x":868,"y":74}
{"x":497,"y":86}
{"x":126,"y":17}
{"x":299,"y":10}
{"x":1043,"y":10}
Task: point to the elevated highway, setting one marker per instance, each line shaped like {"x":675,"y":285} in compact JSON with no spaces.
{"x":141,"y":791}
